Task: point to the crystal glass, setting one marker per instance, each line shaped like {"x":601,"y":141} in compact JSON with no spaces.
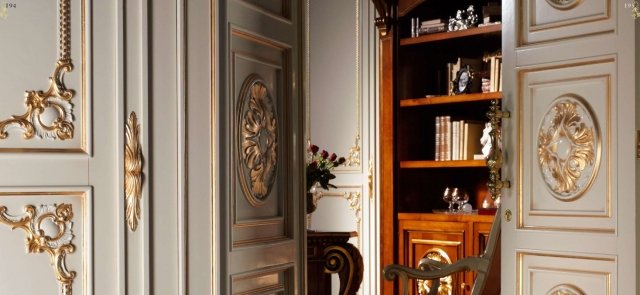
{"x":446,"y":196}
{"x":455,"y":196}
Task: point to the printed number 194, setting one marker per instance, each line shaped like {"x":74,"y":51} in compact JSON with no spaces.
{"x":10,"y":5}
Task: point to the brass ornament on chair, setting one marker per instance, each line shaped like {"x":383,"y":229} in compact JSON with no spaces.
{"x":56,"y":99}
{"x":568,"y":147}
{"x":36,"y":222}
{"x":257,"y":140}
{"x":133,"y":162}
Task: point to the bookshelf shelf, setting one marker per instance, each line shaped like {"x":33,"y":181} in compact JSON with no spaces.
{"x":413,"y":102}
{"x":443,"y":164}
{"x":451,"y":35}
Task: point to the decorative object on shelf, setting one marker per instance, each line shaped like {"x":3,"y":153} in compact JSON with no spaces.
{"x":485,"y":140}
{"x":460,"y":22}
{"x":463,"y":81}
{"x":319,"y":166}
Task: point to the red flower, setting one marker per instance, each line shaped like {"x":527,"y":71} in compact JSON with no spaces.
{"x":341,"y":160}
{"x":313,"y":149}
{"x":333,"y":157}
{"x":313,"y":165}
{"x":324,"y":154}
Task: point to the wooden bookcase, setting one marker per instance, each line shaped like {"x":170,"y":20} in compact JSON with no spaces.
{"x":414,"y":91}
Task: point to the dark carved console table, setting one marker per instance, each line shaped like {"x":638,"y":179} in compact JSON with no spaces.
{"x":329,"y":253}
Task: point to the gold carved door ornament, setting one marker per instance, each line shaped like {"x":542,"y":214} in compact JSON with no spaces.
{"x":495,"y":159}
{"x":133,"y":165}
{"x":49,"y":230}
{"x":257,"y":140}
{"x":49,"y":113}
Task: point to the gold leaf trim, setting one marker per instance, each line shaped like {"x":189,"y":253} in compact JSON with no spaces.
{"x":57,"y":244}
{"x":568,"y":147}
{"x":133,"y":164}
{"x":446,"y":283}
{"x":56,"y":98}
{"x":257,"y":135}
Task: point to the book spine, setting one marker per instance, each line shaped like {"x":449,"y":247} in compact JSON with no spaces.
{"x":437,"y":139}
{"x":461,"y":140}
{"x":447,"y":134}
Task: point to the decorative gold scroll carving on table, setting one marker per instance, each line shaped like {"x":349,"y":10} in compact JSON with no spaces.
{"x":446,"y":283}
{"x":566,"y":289}
{"x":38,"y":120}
{"x":257,"y":140}
{"x":564,"y":4}
{"x":133,"y":164}
{"x":37,"y":223}
{"x":568,"y":147}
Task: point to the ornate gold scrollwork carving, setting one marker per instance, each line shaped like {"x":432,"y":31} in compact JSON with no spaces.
{"x":445,"y":287}
{"x":133,"y":164}
{"x":43,"y":238}
{"x":354,"y":154}
{"x":257,"y":140}
{"x":41,"y":105}
{"x":495,"y":160}
{"x":568,"y":148}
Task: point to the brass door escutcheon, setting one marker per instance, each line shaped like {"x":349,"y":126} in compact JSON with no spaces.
{"x":507,"y":215}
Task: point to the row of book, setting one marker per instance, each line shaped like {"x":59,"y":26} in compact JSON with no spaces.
{"x":494,"y":69}
{"x":458,"y":140}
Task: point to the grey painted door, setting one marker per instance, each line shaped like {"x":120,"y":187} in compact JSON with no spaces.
{"x":258,"y":147}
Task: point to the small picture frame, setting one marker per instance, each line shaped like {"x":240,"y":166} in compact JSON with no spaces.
{"x":463,"y":80}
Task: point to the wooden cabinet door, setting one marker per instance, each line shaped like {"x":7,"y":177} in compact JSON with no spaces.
{"x":445,"y":242}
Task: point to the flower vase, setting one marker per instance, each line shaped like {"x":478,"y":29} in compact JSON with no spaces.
{"x":311,"y":200}
{"x":311,"y":206}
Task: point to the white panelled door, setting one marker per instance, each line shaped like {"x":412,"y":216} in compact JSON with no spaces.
{"x":58,"y":167}
{"x":569,"y":216}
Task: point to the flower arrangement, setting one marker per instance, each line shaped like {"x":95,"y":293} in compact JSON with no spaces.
{"x":319,"y":166}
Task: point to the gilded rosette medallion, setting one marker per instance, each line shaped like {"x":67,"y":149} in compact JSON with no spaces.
{"x":568,"y":147}
{"x":563,"y":4}
{"x":446,"y":283}
{"x":257,"y":140}
{"x":565,"y":290}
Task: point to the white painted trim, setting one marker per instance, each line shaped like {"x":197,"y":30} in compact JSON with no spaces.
{"x":182,"y":148}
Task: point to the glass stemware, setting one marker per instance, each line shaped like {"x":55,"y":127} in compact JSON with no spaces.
{"x":455,"y":197}
{"x":446,"y":196}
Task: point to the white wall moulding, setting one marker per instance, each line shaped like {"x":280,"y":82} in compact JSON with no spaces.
{"x":334,"y":203}
{"x":52,"y":115}
{"x":56,"y":223}
{"x":133,"y":166}
{"x":565,"y":122}
{"x":336,"y":88}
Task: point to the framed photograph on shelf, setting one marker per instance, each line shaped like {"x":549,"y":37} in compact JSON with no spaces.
{"x":462,"y":83}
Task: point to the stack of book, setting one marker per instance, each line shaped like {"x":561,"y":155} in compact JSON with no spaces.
{"x":457,"y":140}
{"x":432,"y":26}
{"x":494,"y":69}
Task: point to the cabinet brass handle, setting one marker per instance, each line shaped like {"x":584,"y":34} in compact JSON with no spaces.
{"x":494,"y":160}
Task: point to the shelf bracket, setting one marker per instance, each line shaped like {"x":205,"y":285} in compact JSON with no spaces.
{"x":495,"y":159}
